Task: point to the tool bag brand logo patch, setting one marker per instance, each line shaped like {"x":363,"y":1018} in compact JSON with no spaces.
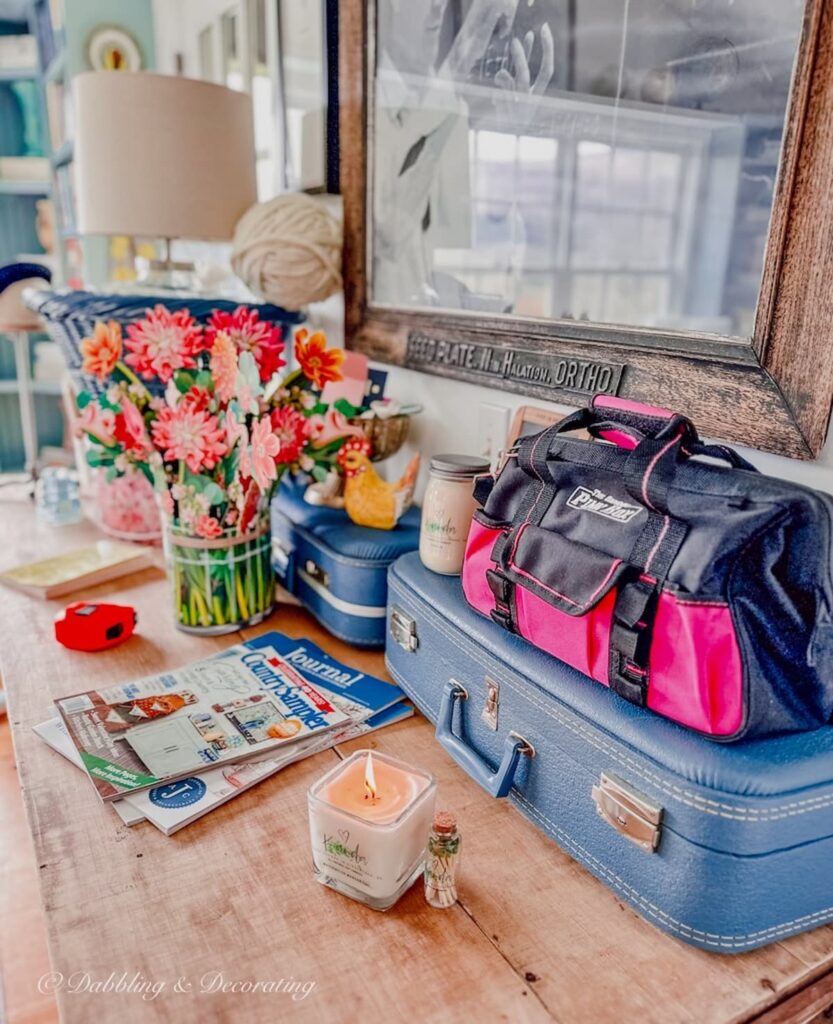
{"x":602,"y":504}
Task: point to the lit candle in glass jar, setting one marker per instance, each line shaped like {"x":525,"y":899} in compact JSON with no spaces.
{"x":369,"y":818}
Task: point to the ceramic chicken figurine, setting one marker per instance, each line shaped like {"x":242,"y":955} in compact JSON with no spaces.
{"x":368,"y":499}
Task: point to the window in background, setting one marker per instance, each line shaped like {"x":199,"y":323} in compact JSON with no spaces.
{"x":276,"y":50}
{"x":233,"y":66}
{"x":268,"y":140}
{"x":303,"y":73}
{"x":206,"y":53}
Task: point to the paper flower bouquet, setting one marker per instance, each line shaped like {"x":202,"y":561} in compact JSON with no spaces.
{"x":204,"y":414}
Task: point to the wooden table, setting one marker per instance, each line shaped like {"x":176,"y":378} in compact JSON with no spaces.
{"x":534,"y":937}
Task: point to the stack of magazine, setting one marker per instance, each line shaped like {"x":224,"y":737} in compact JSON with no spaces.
{"x":170,"y":748}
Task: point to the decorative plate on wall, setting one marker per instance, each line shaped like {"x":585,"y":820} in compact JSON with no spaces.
{"x":113,"y":49}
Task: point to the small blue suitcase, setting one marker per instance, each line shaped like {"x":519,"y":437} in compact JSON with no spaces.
{"x":336,"y":569}
{"x":727,"y":847}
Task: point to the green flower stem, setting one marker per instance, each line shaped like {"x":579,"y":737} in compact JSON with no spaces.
{"x":212,"y":588}
{"x":131,"y":376}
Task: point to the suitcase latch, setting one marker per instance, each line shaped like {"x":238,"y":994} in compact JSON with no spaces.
{"x":280,"y":556}
{"x":403,"y":629}
{"x":629,"y":812}
{"x":315,"y":572}
{"x":489,"y":713}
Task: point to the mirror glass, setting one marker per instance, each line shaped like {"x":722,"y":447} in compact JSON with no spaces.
{"x":604,"y":160}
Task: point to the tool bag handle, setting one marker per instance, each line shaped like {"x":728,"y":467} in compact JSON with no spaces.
{"x":658,"y":441}
{"x":625,"y":423}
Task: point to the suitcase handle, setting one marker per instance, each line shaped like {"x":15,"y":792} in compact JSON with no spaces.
{"x":497,"y":783}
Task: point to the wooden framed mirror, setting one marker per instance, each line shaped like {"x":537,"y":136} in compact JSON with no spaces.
{"x":558,"y":197}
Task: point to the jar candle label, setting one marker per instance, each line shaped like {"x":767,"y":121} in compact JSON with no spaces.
{"x":342,"y":855}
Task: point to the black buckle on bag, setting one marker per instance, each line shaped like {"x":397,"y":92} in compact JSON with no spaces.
{"x":501,"y":589}
{"x":483,"y":487}
{"x":630,"y":640}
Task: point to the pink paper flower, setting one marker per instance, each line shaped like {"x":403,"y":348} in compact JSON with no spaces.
{"x":101,"y":423}
{"x":223,"y":365}
{"x":265,"y":446}
{"x":196,"y":399}
{"x":208,"y":527}
{"x":330,"y":426}
{"x":291,"y":430}
{"x":191,"y":435}
{"x":163,"y":342}
{"x":250,"y":334}
{"x":131,"y":433}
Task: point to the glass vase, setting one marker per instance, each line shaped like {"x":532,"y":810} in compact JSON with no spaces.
{"x":224,"y":583}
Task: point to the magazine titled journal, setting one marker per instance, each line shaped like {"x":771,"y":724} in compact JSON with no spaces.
{"x":231,"y":707}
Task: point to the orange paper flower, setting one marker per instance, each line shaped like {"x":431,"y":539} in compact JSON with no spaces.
{"x":103,"y":350}
{"x":223,"y":365}
{"x":318,"y":363}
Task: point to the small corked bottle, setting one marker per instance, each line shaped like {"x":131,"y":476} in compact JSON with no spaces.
{"x":442,"y":861}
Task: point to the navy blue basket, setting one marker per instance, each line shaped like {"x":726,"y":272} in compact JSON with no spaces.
{"x":71,"y":316}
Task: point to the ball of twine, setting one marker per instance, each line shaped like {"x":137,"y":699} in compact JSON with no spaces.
{"x":288,"y":251}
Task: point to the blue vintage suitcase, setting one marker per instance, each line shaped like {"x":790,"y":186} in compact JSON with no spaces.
{"x":336,"y":569}
{"x":725,"y":847}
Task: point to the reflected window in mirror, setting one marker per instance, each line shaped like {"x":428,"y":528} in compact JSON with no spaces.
{"x":277,"y":51}
{"x":613,"y":161}
{"x":303,"y":70}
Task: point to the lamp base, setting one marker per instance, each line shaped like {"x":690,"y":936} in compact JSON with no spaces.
{"x":169,"y":275}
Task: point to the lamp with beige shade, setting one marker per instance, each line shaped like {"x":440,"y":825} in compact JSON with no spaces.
{"x":163,"y":157}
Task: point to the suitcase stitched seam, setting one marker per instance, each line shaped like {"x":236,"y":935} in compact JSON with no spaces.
{"x":667,"y":921}
{"x":675,"y":792}
{"x":707,"y":938}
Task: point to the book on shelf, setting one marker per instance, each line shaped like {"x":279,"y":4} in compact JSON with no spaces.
{"x":229,"y":707}
{"x":24,"y":168}
{"x":18,"y":52}
{"x":83,"y":567}
{"x":366,"y":702}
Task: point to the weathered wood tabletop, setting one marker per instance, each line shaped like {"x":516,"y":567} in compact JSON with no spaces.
{"x":231,"y":899}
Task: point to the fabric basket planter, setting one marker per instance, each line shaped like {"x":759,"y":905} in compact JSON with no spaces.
{"x":71,"y":316}
{"x":220,"y":584}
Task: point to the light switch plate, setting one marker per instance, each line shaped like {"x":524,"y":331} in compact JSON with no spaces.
{"x":492,"y":429}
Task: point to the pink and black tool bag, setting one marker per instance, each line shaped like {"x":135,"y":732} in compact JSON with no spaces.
{"x":666,"y":569}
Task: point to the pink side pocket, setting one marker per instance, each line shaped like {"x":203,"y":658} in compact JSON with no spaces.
{"x":582,"y":641}
{"x":696,"y":671}
{"x":477,"y":562}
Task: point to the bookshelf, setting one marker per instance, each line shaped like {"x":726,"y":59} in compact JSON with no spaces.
{"x":23,"y":149}
{"x":37,"y":65}
{"x":64,"y":29}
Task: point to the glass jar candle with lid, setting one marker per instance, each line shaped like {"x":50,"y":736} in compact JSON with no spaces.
{"x":447,"y":510}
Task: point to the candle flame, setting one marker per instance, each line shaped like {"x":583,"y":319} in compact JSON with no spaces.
{"x":369,"y":779}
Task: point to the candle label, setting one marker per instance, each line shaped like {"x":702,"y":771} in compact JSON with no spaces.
{"x":343,"y":857}
{"x":445,"y":530}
